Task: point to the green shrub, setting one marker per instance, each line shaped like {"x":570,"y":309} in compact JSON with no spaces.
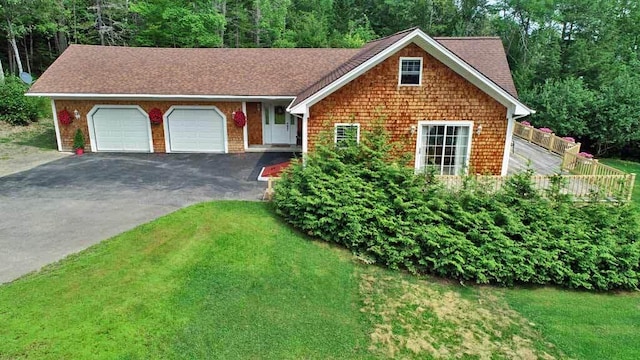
{"x":366,"y":199}
{"x":15,"y":108}
{"x":78,"y":140}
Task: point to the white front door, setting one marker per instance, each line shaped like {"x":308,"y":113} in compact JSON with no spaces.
{"x":279,"y":126}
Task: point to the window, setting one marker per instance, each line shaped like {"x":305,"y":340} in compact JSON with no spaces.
{"x":345,"y":133}
{"x":444,"y":147}
{"x":410,"y":71}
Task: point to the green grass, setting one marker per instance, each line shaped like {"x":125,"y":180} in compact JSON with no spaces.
{"x":630,"y":167}
{"x":229,"y":280}
{"x":584,"y":325}
{"x":41,"y":135}
{"x":223,"y":280}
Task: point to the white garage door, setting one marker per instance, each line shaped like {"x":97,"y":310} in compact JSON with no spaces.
{"x":195,"y":130}
{"x":121,"y":129}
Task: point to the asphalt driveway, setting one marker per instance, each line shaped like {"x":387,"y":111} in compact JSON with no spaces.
{"x":65,"y":206}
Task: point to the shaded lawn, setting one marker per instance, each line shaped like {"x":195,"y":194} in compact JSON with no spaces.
{"x":584,"y":325}
{"x":216,"y":280}
{"x":39,"y":134}
{"x":630,"y":167}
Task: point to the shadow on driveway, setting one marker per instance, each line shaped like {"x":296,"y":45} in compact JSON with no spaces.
{"x":66,"y":205}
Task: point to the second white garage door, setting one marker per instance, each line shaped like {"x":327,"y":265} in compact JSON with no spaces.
{"x":195,"y":129}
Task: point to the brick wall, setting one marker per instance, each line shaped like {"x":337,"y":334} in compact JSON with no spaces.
{"x":443,"y":96}
{"x":234,"y":133}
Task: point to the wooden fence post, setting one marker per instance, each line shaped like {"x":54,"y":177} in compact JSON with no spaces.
{"x":594,"y":164}
{"x":530,"y":136}
{"x":551,"y":141}
{"x":630,"y":185}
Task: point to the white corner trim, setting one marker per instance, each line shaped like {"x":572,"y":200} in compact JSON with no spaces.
{"x":335,"y":131}
{"x":305,"y":132}
{"x":400,"y":71}
{"x":507,"y":143}
{"x":263,"y":178}
{"x":436,"y":50}
{"x":245,"y":130}
{"x":92,"y":131}
{"x":167,"y":134}
{"x":56,"y":125}
{"x":421,"y":125}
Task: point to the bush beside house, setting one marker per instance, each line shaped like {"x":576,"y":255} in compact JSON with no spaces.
{"x":15,"y":108}
{"x":363,"y":198}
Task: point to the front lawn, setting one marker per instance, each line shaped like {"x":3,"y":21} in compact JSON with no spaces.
{"x":221,"y":280}
{"x":584,"y":325}
{"x":230,"y":280}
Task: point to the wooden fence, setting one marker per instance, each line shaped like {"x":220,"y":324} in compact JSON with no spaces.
{"x":581,"y":187}
{"x":587,"y":175}
{"x":547,"y":140}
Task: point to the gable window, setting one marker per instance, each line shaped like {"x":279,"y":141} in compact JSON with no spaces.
{"x":411,"y":71}
{"x":346,"y":133}
{"x":444,"y":147}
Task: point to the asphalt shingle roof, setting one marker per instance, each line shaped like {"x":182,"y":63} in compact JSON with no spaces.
{"x":91,"y":69}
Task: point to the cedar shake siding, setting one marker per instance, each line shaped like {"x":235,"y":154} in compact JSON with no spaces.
{"x":443,"y":96}
{"x":254,"y":123}
{"x":234,"y":134}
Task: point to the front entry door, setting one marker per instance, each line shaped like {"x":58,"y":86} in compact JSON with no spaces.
{"x":280,"y":126}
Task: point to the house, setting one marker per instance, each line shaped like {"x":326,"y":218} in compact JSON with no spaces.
{"x":450,"y":101}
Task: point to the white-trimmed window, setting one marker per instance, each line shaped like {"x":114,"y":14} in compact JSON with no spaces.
{"x":345,"y":133}
{"x":444,"y":147}
{"x":410,"y":71}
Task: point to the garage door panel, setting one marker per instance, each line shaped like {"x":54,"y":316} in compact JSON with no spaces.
{"x":196,"y":130}
{"x":121,"y":129}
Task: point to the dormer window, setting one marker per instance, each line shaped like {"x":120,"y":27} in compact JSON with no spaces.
{"x":410,"y":71}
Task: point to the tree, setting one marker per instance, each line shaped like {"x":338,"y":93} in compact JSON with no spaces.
{"x":177,"y":23}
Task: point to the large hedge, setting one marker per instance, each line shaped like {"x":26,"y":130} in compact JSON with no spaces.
{"x":15,"y":107}
{"x":366,"y":199}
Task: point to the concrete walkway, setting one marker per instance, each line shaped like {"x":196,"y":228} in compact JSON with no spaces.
{"x":67,"y":205}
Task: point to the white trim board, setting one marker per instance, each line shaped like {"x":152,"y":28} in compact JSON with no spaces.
{"x":245,"y":131}
{"x":161,"y":96}
{"x":56,"y":125}
{"x":511,"y":122}
{"x":436,"y":50}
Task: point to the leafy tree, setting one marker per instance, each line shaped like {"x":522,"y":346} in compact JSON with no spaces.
{"x":178,"y":23}
{"x":562,"y":105}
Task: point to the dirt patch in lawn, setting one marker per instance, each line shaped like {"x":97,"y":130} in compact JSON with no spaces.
{"x":422,"y":319}
{"x":25,"y":147}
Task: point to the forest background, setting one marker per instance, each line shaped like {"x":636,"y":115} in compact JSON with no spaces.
{"x":574,"y":61}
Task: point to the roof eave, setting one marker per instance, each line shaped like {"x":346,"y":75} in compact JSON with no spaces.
{"x":158,"y":96}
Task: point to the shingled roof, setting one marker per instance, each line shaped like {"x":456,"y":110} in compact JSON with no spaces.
{"x":109,"y":70}
{"x":89,"y":69}
{"x":485,"y":54}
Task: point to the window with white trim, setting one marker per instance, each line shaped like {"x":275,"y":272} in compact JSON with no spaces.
{"x":410,"y":71}
{"x":444,"y":148}
{"x":347,"y":133}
